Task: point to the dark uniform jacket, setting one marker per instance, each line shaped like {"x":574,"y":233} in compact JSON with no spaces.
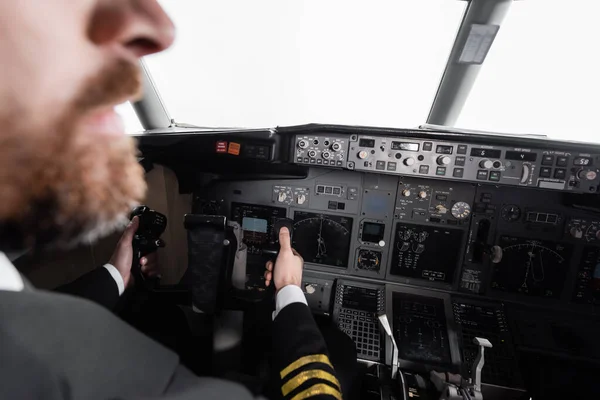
{"x":56,"y":346}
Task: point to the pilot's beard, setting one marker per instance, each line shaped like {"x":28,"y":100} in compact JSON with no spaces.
{"x":58,"y":187}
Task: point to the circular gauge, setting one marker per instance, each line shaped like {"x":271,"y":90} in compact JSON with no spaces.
{"x":369,"y":260}
{"x":592,"y":232}
{"x":405,"y":234}
{"x":461,"y":210}
{"x":511,"y":213}
{"x":421,"y":236}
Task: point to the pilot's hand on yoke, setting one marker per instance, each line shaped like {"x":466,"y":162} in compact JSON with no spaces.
{"x":288,"y":266}
{"x":122,"y":257}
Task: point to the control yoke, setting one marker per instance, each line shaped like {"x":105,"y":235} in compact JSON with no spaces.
{"x":146,"y":240}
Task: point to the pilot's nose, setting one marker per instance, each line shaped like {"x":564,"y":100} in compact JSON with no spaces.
{"x":141,"y":27}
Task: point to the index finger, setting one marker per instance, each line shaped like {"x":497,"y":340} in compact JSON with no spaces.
{"x":284,"y":239}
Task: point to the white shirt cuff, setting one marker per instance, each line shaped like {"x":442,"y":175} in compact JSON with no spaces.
{"x":286,"y":296}
{"x":116,"y":276}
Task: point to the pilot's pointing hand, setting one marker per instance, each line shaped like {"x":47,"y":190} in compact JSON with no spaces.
{"x":288,"y":266}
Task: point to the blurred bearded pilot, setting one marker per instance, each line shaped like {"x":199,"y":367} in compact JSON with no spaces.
{"x":70,"y":174}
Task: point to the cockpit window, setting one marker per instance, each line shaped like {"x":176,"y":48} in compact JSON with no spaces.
{"x":240,"y":63}
{"x":541,"y":74}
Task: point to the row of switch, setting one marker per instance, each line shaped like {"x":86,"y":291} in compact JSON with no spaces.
{"x":560,"y":161}
{"x":319,"y":161}
{"x":559,"y":173}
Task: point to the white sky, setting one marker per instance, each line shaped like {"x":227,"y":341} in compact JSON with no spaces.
{"x":265,"y":63}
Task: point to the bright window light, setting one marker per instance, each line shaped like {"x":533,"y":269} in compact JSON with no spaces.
{"x":542,"y":74}
{"x":266,"y":63}
{"x":132,"y":123}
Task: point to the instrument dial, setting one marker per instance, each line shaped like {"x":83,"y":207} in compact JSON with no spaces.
{"x":369,"y":260}
{"x":510,"y":213}
{"x":592,"y":233}
{"x":461,"y":210}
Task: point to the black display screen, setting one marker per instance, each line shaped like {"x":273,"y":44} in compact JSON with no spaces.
{"x":420,"y":329}
{"x":582,"y":161}
{"x":486,"y":153}
{"x":521,"y":156}
{"x":366,"y":143}
{"x":443,"y":149}
{"x":257,"y":226}
{"x":372,"y":232}
{"x":257,"y":223}
{"x":359,"y":298}
{"x":405,"y":146}
{"x":531,"y":267}
{"x":426,"y":252}
{"x":322,"y":239}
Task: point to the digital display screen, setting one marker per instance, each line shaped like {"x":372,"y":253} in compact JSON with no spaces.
{"x":486,"y":153}
{"x":405,"y":146}
{"x":254,"y":225}
{"x":583,"y":161}
{"x":257,"y":222}
{"x":366,"y":142}
{"x":322,"y":239}
{"x":360,"y":298}
{"x":372,"y":232}
{"x":417,"y":249}
{"x":443,"y":149}
{"x":531,"y":267}
{"x":521,"y":156}
{"x":420,"y":328}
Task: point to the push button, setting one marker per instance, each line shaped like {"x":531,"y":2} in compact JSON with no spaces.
{"x":560,"y":173}
{"x":547,"y":160}
{"x":482,"y":175}
{"x":545,"y":172}
{"x":380,"y":165}
{"x":495,"y":176}
{"x":458,"y":172}
{"x":562,"y":161}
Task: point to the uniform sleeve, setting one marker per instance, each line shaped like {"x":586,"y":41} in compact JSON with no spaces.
{"x":98,"y":286}
{"x":300,"y":356}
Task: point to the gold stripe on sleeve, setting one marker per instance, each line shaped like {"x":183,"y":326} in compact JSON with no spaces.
{"x":302,"y":377}
{"x":320,"y":358}
{"x":316,"y":390}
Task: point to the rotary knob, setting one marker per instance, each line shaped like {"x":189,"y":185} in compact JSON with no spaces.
{"x":587,"y":175}
{"x":303,"y":144}
{"x":363,"y":154}
{"x":336,"y":146}
{"x":444,"y":160}
{"x":326,"y":155}
{"x":312,"y":153}
{"x":409,"y":161}
{"x":406,"y":193}
{"x":576,"y":232}
{"x":487,"y":164}
{"x":422,"y":194}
